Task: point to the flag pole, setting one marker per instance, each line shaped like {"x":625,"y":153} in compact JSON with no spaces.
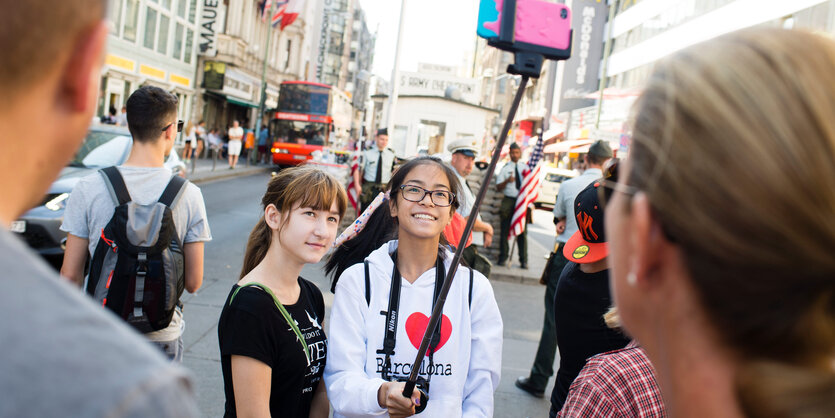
{"x":263,"y":100}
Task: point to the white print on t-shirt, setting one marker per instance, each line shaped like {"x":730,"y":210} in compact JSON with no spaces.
{"x":313,"y":320}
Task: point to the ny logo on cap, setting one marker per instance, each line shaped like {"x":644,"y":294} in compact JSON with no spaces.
{"x":584,"y":221}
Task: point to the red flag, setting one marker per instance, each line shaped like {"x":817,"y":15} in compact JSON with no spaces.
{"x":291,"y":12}
{"x":353,"y":198}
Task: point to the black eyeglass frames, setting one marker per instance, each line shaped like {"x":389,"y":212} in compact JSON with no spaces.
{"x":179,"y":126}
{"x":414,"y":193}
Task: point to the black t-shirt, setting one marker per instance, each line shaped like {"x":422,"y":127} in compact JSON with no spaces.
{"x":580,"y":301}
{"x":252,"y":326}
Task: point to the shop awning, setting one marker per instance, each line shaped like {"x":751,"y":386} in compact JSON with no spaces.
{"x":566,"y":146}
{"x":240,"y":102}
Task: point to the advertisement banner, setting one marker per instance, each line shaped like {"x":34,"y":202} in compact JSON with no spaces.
{"x":580,"y":72}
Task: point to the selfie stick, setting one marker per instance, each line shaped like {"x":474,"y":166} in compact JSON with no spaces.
{"x":439,"y":304}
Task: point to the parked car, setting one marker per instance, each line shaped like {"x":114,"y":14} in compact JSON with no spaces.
{"x":103,"y":146}
{"x":549,"y":185}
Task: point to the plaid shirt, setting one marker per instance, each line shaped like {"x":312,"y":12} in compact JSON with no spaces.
{"x":619,"y":383}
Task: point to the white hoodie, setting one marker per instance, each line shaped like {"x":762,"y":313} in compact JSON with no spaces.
{"x":468,"y":359}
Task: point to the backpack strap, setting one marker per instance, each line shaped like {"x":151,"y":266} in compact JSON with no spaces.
{"x":367,"y":285}
{"x":115,"y":185}
{"x":173,"y":191}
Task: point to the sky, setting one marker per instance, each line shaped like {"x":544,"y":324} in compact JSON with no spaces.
{"x":435,"y":31}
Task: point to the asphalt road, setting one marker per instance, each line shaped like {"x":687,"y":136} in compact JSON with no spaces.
{"x":233,"y":208}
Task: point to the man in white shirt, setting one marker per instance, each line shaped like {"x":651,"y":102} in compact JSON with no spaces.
{"x":375,"y":169}
{"x":509,"y":181}
{"x":236,"y":135}
{"x":464,"y":152}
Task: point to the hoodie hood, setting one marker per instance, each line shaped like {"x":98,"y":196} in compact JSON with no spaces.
{"x":380,"y":259}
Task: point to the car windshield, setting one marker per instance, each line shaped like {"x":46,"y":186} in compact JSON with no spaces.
{"x":555,"y":178}
{"x":101,"y":149}
{"x":298,"y":132}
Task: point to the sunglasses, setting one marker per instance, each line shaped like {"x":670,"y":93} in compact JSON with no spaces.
{"x":609,"y":183}
{"x":179,"y":126}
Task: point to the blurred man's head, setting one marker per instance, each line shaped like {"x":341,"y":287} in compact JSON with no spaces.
{"x":52,"y":57}
{"x":382,"y":138}
{"x":152,"y":116}
{"x":515,"y":152}
{"x":599,"y":153}
{"x":235,"y":124}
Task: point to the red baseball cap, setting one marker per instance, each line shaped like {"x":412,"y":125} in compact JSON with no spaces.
{"x":588,"y":244}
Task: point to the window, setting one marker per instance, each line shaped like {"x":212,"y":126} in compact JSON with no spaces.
{"x":192,"y":10}
{"x":166,"y":4}
{"x":188,"y":49}
{"x":181,"y":8}
{"x":288,"y":55}
{"x":131,"y":18}
{"x":114,"y":15}
{"x":162,"y":40}
{"x":150,"y":27}
{"x":178,"y":42}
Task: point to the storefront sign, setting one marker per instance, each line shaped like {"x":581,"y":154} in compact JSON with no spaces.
{"x":119,"y":62}
{"x":581,"y":70}
{"x":151,"y":71}
{"x":211,"y":22}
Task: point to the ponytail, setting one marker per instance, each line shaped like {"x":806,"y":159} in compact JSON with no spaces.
{"x":773,"y":389}
{"x":257,"y":246}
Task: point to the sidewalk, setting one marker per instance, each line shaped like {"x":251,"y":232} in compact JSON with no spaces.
{"x":205,"y":170}
{"x":537,"y":257}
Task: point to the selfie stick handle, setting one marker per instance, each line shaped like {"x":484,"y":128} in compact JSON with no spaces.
{"x":482,"y":191}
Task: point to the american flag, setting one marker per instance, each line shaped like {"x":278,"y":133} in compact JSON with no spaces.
{"x":353,"y":197}
{"x":529,"y":191}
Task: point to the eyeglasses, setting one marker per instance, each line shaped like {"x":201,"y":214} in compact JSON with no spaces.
{"x":414,"y":193}
{"x":609,"y":183}
{"x":179,"y":126}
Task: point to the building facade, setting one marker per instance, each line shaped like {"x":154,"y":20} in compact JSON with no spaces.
{"x":151,"y":42}
{"x":231,"y":60}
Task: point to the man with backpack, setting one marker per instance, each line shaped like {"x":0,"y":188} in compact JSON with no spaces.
{"x":143,"y":229}
{"x":62,"y":355}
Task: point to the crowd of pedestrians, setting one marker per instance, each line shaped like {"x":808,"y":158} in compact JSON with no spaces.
{"x":697,"y":278}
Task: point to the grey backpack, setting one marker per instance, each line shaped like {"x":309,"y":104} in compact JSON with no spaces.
{"x":137,"y":270}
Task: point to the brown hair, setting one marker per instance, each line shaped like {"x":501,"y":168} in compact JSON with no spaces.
{"x":34,"y":32}
{"x":734,"y":145}
{"x":304,"y":186}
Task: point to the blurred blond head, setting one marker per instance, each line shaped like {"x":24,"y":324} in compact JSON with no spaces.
{"x":734,"y":149}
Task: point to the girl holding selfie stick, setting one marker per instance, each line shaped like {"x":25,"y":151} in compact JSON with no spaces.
{"x":272,"y":343}
{"x":382,"y":306}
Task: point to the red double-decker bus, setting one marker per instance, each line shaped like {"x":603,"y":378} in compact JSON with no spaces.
{"x":303,"y":121}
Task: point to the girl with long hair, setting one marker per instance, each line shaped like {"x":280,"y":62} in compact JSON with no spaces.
{"x":722,"y":228}
{"x":190,"y":141}
{"x":383,"y":302}
{"x":272,"y":344}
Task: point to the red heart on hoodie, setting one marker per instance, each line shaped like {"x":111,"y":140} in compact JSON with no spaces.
{"x":416,"y":327}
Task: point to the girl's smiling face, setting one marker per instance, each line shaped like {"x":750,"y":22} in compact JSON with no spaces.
{"x":423,"y":219}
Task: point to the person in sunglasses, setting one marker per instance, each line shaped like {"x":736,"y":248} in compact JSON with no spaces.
{"x":370,"y":354}
{"x":721,"y":226}
{"x":153,"y":124}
